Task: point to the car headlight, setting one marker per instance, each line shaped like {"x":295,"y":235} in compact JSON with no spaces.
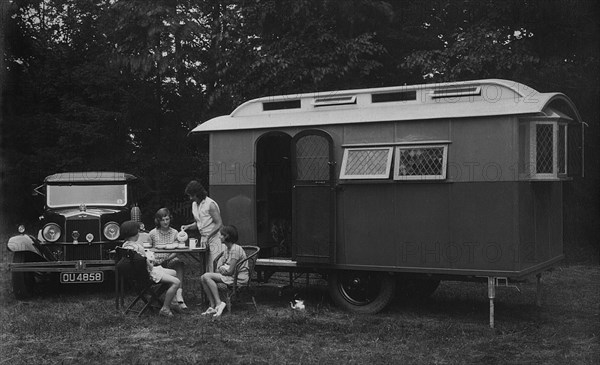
{"x":51,"y":232}
{"x":111,"y":231}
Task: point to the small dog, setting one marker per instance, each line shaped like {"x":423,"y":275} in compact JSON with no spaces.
{"x":297,"y":304}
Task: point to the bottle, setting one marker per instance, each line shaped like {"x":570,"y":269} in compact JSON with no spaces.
{"x":136,"y":213}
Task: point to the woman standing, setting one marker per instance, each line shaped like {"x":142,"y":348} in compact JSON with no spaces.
{"x":208,"y":220}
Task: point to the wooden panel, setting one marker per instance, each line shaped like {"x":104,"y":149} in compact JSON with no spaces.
{"x":366,"y":133}
{"x":556,"y":220}
{"x":526,"y":225}
{"x":312,"y":241}
{"x":482,"y":218}
{"x":423,"y":130}
{"x":483,"y":150}
{"x":369,"y":225}
{"x":422,"y":237}
{"x":237,"y":208}
{"x":435,"y":225}
{"x":231,"y":158}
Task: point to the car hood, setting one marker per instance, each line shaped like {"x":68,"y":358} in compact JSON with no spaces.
{"x":76,"y":212}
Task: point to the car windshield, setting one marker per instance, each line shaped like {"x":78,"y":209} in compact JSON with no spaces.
{"x":70,"y":195}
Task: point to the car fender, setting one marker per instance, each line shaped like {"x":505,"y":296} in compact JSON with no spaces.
{"x":21,"y":243}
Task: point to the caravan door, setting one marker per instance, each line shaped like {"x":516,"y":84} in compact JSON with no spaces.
{"x":313,"y":197}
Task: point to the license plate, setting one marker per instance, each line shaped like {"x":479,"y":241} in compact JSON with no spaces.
{"x":81,"y":277}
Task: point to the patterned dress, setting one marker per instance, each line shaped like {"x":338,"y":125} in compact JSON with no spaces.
{"x":160,"y":237}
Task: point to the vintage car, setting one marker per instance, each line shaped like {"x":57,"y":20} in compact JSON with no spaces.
{"x":78,"y":229}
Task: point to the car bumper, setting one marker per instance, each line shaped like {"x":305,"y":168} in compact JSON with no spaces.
{"x":62,"y":266}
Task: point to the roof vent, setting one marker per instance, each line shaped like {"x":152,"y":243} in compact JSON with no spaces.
{"x":394,"y":96}
{"x":456,"y":91}
{"x":281,"y":105}
{"x":334,"y":100}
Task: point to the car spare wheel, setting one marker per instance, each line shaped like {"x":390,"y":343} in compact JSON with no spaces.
{"x":22,"y":282}
{"x":361,"y":291}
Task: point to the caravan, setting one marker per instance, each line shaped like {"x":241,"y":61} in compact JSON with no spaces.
{"x":459,"y":181}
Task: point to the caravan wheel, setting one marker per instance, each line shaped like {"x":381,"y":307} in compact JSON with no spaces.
{"x":361,"y":291}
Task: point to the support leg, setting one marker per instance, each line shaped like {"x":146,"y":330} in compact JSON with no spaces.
{"x":491,"y":296}
{"x":117,"y":290}
{"x":539,"y":290}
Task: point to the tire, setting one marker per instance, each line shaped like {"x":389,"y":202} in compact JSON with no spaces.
{"x":22,"y":282}
{"x":361,"y":291}
{"x":415,"y":287}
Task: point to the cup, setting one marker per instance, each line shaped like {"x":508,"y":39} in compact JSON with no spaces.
{"x":193,"y":243}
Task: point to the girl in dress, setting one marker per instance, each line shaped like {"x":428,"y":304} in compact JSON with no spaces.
{"x":231,"y":256}
{"x":164,"y":234}
{"x":130,"y":230}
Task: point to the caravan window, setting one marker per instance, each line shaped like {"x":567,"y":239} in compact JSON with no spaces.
{"x":411,"y":161}
{"x":420,"y":162}
{"x":545,"y":149}
{"x":366,"y":163}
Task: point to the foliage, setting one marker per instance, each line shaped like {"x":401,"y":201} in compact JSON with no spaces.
{"x":118,"y":84}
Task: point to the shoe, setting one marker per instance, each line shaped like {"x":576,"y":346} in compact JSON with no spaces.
{"x":175,"y":308}
{"x":219,"y":309}
{"x":178,"y":306}
{"x":210,"y":310}
{"x":165,"y":312}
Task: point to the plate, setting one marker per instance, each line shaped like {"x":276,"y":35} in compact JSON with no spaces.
{"x":81,"y":277}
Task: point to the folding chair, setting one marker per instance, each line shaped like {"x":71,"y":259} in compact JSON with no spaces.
{"x":135,"y":274}
{"x":233,"y":291}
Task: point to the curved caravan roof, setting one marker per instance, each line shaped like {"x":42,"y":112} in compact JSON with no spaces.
{"x":477,"y":98}
{"x":89,"y":177}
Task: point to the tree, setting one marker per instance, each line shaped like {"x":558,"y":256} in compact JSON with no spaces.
{"x":132,"y":77}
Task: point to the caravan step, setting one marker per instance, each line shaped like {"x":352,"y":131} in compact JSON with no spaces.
{"x":274,"y":261}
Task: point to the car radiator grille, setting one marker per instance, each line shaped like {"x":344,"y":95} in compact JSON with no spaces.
{"x":83,"y":252}
{"x":83,"y":226}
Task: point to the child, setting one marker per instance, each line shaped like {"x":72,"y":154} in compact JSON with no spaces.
{"x":165,"y":234}
{"x":231,"y":256}
{"x":158,"y":274}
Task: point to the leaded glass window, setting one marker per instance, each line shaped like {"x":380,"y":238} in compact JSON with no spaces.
{"x":366,"y":163}
{"x":420,"y":162}
{"x":544,"y":151}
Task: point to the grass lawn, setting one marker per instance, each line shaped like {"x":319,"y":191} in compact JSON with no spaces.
{"x":80,"y":325}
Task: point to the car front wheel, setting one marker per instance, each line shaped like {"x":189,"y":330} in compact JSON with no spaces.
{"x":22,"y":282}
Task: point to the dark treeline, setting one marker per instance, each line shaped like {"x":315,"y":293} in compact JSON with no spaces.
{"x":118,"y":84}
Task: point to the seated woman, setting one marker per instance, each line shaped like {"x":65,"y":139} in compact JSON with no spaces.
{"x":231,"y":256}
{"x":165,"y":234}
{"x":158,"y":274}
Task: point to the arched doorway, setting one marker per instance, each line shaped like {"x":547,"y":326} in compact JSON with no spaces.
{"x":274,"y":194}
